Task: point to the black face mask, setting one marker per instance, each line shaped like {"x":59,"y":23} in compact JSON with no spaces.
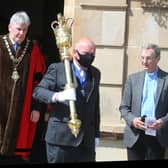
{"x":85,"y":59}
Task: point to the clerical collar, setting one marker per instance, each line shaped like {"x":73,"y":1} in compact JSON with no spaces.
{"x":154,"y":73}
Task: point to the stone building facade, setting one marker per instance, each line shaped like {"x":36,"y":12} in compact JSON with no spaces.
{"x":119,"y":29}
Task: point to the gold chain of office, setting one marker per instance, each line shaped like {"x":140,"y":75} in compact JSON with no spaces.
{"x":16,"y":61}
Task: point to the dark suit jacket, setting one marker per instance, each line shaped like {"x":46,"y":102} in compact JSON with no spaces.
{"x":87,"y":109}
{"x":130,"y":106}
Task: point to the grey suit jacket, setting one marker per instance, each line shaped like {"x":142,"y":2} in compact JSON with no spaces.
{"x":130,"y":106}
{"x":87,"y":109}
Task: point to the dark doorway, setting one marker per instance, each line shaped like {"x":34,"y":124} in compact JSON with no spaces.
{"x":42,"y":13}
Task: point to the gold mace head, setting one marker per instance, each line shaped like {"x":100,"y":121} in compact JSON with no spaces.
{"x":63,"y":35}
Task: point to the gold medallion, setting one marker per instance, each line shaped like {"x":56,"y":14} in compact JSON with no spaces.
{"x":15,"y":76}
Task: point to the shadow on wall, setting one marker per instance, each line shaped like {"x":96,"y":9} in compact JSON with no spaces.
{"x":159,"y":10}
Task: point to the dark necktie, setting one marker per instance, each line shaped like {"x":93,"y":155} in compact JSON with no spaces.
{"x":82,"y":76}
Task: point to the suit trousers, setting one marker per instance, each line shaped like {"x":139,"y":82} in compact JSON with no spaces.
{"x":67,"y":154}
{"x":146,"y":148}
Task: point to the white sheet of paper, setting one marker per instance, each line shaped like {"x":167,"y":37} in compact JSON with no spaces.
{"x":148,"y":131}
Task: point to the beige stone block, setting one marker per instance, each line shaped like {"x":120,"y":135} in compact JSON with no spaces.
{"x":105,"y":27}
{"x":88,"y":23}
{"x":148,"y":27}
{"x":69,"y":8}
{"x":101,"y":3}
{"x":163,"y":63}
{"x":135,"y":4}
{"x":113,"y":28}
{"x":134,"y":62}
{"x":110,"y":116}
{"x":110,"y":62}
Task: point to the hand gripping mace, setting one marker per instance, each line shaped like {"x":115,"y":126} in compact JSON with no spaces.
{"x":62,"y":32}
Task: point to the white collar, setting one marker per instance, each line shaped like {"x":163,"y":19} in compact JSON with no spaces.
{"x":77,"y":66}
{"x":79,"y":69}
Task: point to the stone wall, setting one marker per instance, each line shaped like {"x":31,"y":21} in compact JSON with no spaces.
{"x":119,"y":29}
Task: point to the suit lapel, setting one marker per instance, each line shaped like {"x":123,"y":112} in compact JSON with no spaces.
{"x":139,"y":89}
{"x":159,"y":86}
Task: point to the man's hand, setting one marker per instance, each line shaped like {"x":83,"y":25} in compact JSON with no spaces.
{"x":34,"y":116}
{"x":67,"y":94}
{"x":46,"y":116}
{"x":156,"y":125}
{"x":138,"y":123}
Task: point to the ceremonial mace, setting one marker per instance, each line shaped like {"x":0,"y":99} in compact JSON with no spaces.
{"x":62,"y":32}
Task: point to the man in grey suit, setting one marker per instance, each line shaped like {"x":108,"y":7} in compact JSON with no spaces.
{"x":62,"y":145}
{"x":144,"y":107}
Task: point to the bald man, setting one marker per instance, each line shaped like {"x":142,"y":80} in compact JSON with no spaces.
{"x":62,"y":145}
